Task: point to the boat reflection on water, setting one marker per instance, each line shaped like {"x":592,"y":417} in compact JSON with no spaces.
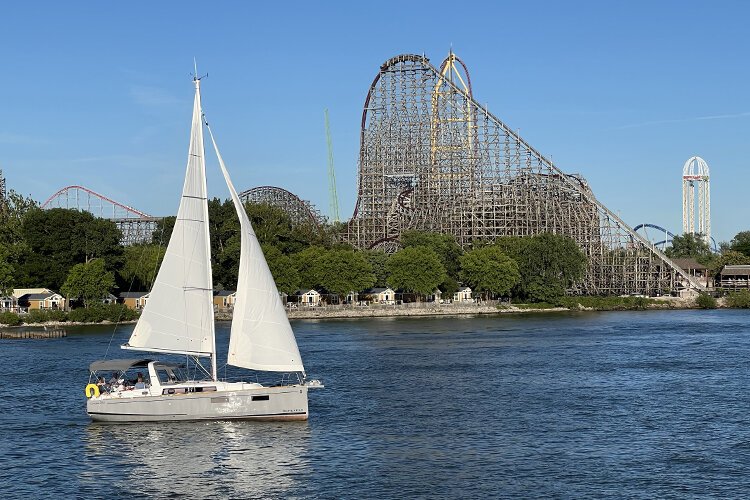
{"x":197,"y":459}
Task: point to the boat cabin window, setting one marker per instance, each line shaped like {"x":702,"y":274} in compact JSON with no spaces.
{"x":168,"y":375}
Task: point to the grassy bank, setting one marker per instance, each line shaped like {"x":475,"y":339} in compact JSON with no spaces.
{"x":105,"y":312}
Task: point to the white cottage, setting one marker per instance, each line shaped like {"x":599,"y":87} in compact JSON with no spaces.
{"x":381,"y":295}
{"x":463,"y":295}
{"x":309,"y":298}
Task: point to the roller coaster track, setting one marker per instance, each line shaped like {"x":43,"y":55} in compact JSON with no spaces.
{"x":136,"y":226}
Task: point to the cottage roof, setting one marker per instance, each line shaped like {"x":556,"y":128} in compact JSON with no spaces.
{"x":377,"y":290}
{"x":689,"y":264}
{"x":743,"y":270}
{"x":224,"y":293}
{"x":20,"y":292}
{"x":132,"y":295}
{"x":38,"y":296}
{"x":304,"y":292}
{"x":464,"y":289}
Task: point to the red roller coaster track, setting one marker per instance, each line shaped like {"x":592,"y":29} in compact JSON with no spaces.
{"x":64,"y":193}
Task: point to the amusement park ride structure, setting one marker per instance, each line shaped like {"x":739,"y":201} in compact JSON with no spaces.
{"x":136,"y":226}
{"x":695,"y":174}
{"x":433,"y":158}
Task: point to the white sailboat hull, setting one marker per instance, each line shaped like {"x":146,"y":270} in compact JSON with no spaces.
{"x":256,"y":403}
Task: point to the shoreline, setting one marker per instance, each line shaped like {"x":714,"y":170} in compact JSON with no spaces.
{"x":424,"y":309}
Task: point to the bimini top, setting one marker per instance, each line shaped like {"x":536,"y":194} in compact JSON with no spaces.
{"x":117,"y":365}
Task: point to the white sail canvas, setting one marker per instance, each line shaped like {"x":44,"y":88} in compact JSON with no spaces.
{"x":261,"y":336}
{"x":178,"y":316}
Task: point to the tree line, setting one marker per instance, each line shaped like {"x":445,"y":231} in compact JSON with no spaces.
{"x":694,"y":246}
{"x":81,"y":256}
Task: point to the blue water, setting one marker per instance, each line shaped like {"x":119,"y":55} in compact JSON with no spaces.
{"x":634,"y":404}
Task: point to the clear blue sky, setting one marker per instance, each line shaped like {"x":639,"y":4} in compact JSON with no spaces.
{"x":99,"y":93}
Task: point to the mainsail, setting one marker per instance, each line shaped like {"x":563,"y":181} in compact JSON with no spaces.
{"x":261,"y":336}
{"x":179,"y":316}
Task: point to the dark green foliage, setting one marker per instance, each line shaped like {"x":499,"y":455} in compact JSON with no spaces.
{"x":307,"y":264}
{"x":140,"y":265}
{"x":449,"y":286}
{"x":89,"y":282}
{"x":284,"y":273}
{"x":44,"y":315}
{"x":548,"y":263}
{"x":489,"y":271}
{"x":7,"y":271}
{"x":705,"y":301}
{"x":741,"y":243}
{"x":689,"y":246}
{"x":345,"y":271}
{"x":274,"y":227}
{"x":102,"y":312}
{"x":415,"y":269}
{"x":739,"y":300}
{"x":378,"y":261}
{"x":59,"y":238}
{"x":10,"y":319}
{"x":12,"y":211}
{"x":444,"y":245}
{"x":163,"y":231}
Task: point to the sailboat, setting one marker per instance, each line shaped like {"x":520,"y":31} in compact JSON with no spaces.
{"x":178,"y":319}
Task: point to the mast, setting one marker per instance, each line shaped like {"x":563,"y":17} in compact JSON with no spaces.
{"x":179,"y":317}
{"x":197,"y":82}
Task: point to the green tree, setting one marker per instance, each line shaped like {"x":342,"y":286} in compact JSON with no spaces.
{"x":444,"y":245}
{"x":13,"y":208}
{"x":308,"y":266}
{"x":489,"y":271}
{"x":344,"y":271}
{"x":705,"y":301}
{"x":689,"y":246}
{"x":741,"y":243}
{"x":163,"y":230}
{"x":739,"y":300}
{"x":415,"y":269}
{"x":284,"y":273}
{"x":59,"y":238}
{"x":89,"y":281}
{"x":140,"y":266}
{"x":548,"y":264}
{"x":6,"y":272}
{"x":273,"y":226}
{"x":378,"y":261}
{"x":727,"y":258}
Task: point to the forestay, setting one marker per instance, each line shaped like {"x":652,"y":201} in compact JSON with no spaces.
{"x":178,"y":316}
{"x":261,"y":336}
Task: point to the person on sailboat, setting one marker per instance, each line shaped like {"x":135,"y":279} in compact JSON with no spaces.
{"x":139,"y":383}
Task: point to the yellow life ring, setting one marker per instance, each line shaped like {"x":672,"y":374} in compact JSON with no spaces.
{"x":92,"y":389}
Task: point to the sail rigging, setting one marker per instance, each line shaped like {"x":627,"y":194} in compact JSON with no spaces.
{"x":261,"y":337}
{"x":178,"y":316}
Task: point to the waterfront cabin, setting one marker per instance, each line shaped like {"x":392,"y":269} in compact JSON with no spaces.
{"x":224,"y":300}
{"x":735,"y":277}
{"x":134,"y":300}
{"x":436,"y":296}
{"x":308,"y":298}
{"x":42,"y":301}
{"x":380,"y":295}
{"x":109,"y":299}
{"x":694,"y":269}
{"x":463,"y":295}
{"x":8,"y":303}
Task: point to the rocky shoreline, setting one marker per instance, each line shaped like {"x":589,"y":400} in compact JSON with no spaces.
{"x":407,"y":310}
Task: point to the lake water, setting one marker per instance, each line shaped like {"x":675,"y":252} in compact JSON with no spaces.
{"x":633,"y":404}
